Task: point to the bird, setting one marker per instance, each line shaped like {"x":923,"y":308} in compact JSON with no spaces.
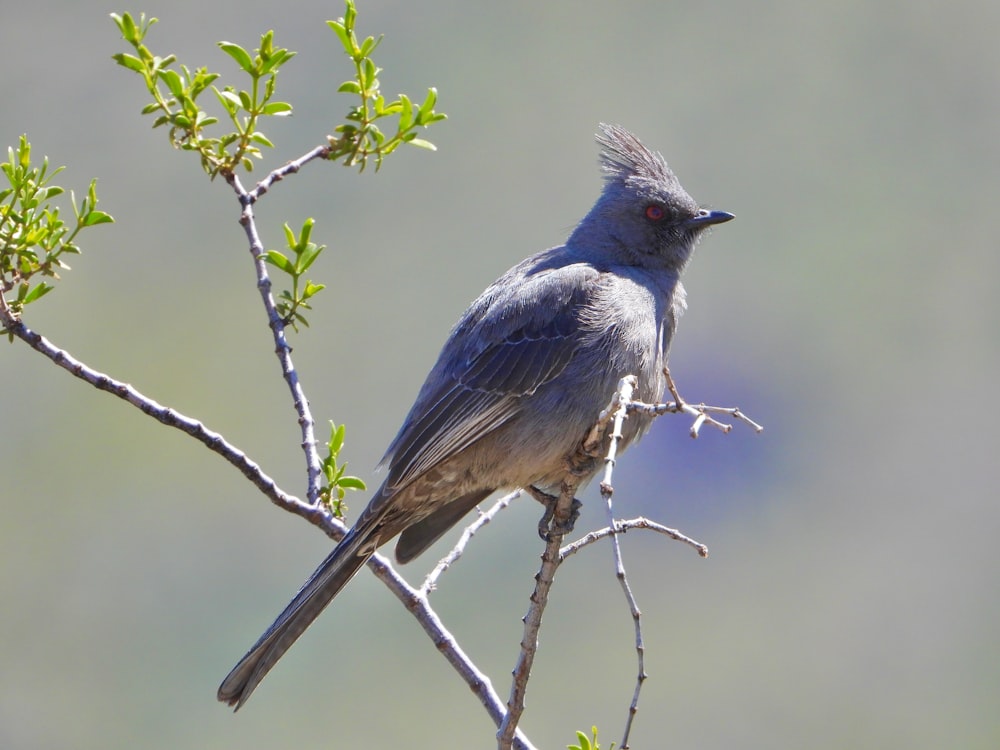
{"x":522,"y":378}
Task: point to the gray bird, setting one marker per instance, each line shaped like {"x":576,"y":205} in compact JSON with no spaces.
{"x":522,"y":378}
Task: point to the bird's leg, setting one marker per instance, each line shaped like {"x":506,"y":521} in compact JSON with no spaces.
{"x":546,"y":525}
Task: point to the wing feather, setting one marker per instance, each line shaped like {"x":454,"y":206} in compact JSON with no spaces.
{"x":520,"y":334}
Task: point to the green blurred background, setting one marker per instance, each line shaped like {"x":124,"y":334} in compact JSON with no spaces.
{"x":851,"y":598}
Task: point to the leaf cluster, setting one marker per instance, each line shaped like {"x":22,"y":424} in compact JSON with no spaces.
{"x":175,"y":96}
{"x":33,"y":236}
{"x":360,"y":138}
{"x":337,"y":483}
{"x":175,"y":91}
{"x":587,"y":743}
{"x":304,"y":253}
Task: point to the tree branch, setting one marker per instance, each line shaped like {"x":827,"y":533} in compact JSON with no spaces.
{"x":430,"y":582}
{"x":626,"y":387}
{"x":701,"y":412}
{"x":614,"y":414}
{"x":282,"y":348}
{"x":621,"y":526}
{"x":165,"y":415}
{"x":277,"y":175}
{"x":533,"y":619}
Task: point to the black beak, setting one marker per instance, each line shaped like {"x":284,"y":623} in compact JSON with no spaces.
{"x":707,"y":218}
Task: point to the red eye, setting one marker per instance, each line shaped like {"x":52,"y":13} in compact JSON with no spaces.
{"x":654,"y":212}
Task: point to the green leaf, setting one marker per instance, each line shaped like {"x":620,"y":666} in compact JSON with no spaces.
{"x":336,"y":441}
{"x":276,"y":60}
{"x":266,"y":43}
{"x":350,"y":13}
{"x":228,"y":99}
{"x":240,"y":55}
{"x":368,"y":46}
{"x":406,"y":113}
{"x":349,"y":87}
{"x":39,"y":291}
{"x":307,"y":227}
{"x":421,"y":143}
{"x":126,"y":24}
{"x":173,"y":81}
{"x":342,"y":34}
{"x":352,"y":483}
{"x":278,"y":260}
{"x":371,"y":72}
{"x":430,"y":100}
{"x":97,"y":217}
{"x":129,"y":61}
{"x":312,"y":289}
{"x":277,"y":109}
{"x":262,"y":139}
{"x":305,"y":258}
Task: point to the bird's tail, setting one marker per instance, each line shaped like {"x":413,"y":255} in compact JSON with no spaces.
{"x":323,"y":585}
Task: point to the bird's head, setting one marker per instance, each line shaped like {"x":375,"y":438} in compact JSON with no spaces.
{"x":643,"y":217}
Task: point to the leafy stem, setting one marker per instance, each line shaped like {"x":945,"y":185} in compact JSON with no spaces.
{"x":304,"y":253}
{"x":33,"y":236}
{"x":337,"y":483}
{"x":361,"y":138}
{"x":175,"y":97}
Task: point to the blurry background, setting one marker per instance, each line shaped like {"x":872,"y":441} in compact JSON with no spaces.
{"x":851,"y":596}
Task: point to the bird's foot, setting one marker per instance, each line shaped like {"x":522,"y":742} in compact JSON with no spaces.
{"x":548,"y":525}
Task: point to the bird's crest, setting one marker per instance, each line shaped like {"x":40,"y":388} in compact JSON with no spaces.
{"x":626,"y":161}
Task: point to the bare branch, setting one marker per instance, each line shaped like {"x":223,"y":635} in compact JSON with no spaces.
{"x":165,"y":415}
{"x":619,"y":411}
{"x":633,"y":605}
{"x":539,"y":598}
{"x":430,"y":582}
{"x":417,"y":603}
{"x":701,"y":413}
{"x":282,"y":349}
{"x":626,"y":388}
{"x":621,"y":526}
{"x":320,"y":152}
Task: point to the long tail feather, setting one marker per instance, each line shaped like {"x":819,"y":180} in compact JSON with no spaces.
{"x":323,"y":585}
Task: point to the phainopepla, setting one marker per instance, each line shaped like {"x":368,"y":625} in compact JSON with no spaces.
{"x":523,"y":377}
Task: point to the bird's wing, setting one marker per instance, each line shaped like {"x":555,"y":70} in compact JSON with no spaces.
{"x":516,"y":337}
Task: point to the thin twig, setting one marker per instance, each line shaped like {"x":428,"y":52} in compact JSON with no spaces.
{"x":623,"y":397}
{"x":276,"y":175}
{"x":621,"y":526}
{"x":417,"y":603}
{"x":626,"y":388}
{"x":165,"y":415}
{"x":701,"y":412}
{"x":533,"y":618}
{"x":633,"y":605}
{"x":282,"y":348}
{"x":430,"y":582}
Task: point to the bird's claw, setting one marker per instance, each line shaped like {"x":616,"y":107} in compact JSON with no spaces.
{"x":547,"y":525}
